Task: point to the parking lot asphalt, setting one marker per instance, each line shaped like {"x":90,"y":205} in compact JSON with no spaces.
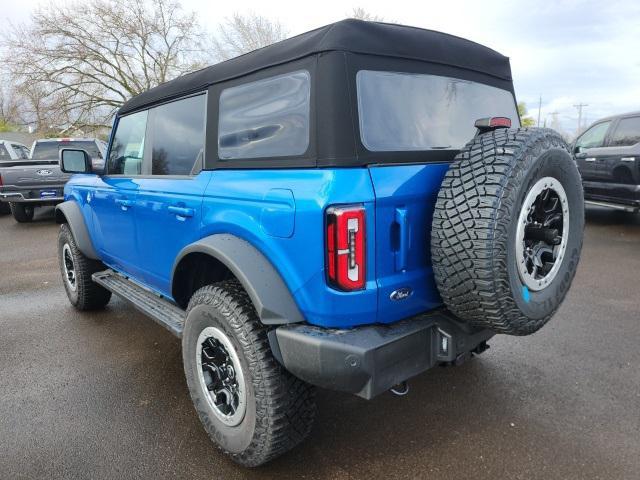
{"x":103,"y":395}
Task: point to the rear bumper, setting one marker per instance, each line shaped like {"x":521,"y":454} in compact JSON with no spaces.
{"x":616,"y":193}
{"x":33,"y":195}
{"x":371,"y":359}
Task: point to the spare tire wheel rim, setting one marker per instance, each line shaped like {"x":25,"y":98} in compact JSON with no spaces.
{"x":542,"y":233}
{"x":69,"y":267}
{"x":220,"y":376}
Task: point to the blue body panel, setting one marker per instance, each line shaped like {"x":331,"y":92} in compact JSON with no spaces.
{"x":139,"y":224}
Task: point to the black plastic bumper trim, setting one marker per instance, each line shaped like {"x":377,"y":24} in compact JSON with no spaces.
{"x":369,"y":360}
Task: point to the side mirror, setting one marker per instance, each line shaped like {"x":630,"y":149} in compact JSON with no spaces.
{"x":73,"y":160}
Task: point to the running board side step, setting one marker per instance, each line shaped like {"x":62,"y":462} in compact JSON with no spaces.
{"x":616,"y":206}
{"x":151,"y":304}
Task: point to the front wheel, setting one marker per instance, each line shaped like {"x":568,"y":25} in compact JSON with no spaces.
{"x":250,"y":406}
{"x":23,"y":213}
{"x":76,"y":270}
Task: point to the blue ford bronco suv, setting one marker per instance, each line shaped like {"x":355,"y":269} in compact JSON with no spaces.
{"x":344,"y":209}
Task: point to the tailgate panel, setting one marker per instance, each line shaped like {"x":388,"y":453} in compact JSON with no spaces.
{"x":405,"y":200}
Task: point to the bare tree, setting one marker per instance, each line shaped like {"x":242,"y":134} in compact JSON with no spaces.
{"x":360,"y":13}
{"x":9,"y":106}
{"x":243,"y":33}
{"x":87,"y":58}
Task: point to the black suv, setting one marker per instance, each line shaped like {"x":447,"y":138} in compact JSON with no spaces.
{"x":608,"y":157}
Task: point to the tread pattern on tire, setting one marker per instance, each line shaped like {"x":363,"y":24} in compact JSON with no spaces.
{"x":91,"y":296}
{"x":285,"y":405}
{"x":471,"y":227}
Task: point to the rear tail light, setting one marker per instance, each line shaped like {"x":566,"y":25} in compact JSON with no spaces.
{"x":346,"y":240}
{"x":0,"y":180}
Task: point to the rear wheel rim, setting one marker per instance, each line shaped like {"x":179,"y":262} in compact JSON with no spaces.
{"x":69,"y":267}
{"x":220,"y":376}
{"x":542,"y":233}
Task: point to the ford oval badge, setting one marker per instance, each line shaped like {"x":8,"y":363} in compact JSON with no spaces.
{"x":401,"y":294}
{"x":44,"y":172}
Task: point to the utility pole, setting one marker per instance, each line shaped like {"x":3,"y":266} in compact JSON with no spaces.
{"x":579,"y":107}
{"x":539,"y":108}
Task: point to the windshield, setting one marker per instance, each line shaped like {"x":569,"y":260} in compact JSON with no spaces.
{"x":406,"y":111}
{"x":49,"y":150}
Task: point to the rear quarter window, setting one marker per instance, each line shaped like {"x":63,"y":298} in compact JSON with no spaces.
{"x":266,"y":118}
{"x":411,"y":112}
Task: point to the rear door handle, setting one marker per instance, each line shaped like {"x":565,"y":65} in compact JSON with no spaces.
{"x":124,"y":203}
{"x":400,"y":218}
{"x":181,"y":211}
{"x":628,"y":159}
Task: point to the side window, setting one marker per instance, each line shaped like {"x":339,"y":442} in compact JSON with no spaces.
{"x":594,"y":137}
{"x":176,"y":134}
{"x":627,"y":132}
{"x":21,"y":151}
{"x":4,"y":154}
{"x":266,"y":118}
{"x":127,"y":148}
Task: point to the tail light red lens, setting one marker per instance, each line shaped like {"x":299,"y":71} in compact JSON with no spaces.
{"x":493,"y":122}
{"x":346,"y":240}
{"x":0,"y":180}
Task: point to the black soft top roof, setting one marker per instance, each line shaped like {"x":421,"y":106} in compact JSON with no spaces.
{"x":355,"y":36}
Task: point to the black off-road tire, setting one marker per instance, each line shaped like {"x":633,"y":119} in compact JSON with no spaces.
{"x":23,"y":213}
{"x":87,"y":294}
{"x":473,"y":238}
{"x":280,"y":408}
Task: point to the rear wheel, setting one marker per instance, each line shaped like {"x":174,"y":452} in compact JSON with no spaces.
{"x":76,"y":270}
{"x":22,"y":212}
{"x":250,"y":406}
{"x":507,"y":230}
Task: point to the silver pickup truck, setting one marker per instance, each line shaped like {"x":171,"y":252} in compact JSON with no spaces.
{"x":37,"y":181}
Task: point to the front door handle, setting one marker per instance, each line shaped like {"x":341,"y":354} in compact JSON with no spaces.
{"x":590,"y":159}
{"x":181,"y":211}
{"x":124,"y":203}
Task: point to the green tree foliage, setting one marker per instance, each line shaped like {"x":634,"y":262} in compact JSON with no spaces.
{"x":525,"y":120}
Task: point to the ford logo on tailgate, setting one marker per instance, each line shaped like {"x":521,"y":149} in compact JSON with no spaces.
{"x":44,"y":172}
{"x":401,"y":293}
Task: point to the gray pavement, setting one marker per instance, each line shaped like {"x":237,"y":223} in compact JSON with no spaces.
{"x":103,"y":395}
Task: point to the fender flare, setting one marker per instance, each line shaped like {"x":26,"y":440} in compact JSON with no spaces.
{"x":70,"y":213}
{"x":266,"y":288}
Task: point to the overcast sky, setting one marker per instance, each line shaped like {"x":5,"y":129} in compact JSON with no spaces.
{"x":570,"y":52}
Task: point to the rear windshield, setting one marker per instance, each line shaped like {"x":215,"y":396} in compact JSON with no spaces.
{"x":49,"y":150}
{"x":408,"y":112}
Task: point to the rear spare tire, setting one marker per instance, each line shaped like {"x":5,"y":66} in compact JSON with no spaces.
{"x":507,"y":230}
